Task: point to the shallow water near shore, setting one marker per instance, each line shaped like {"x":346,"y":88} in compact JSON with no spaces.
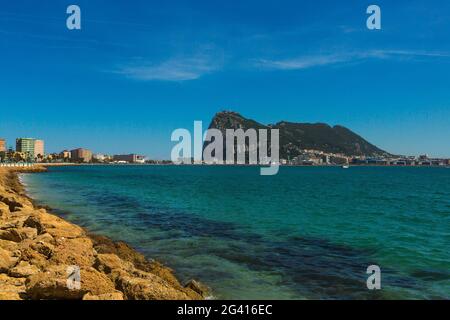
{"x":307,"y":233}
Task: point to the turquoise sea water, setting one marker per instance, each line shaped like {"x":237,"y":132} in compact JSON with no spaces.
{"x":307,"y":233}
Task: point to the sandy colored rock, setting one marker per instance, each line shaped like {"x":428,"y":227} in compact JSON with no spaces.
{"x":197,"y":287}
{"x":107,"y":296}
{"x":127,"y":253}
{"x":10,"y":235}
{"x":35,"y":222}
{"x":9,"y":295}
{"x":164,"y":273}
{"x":7,"y":260}
{"x":9,"y":245}
{"x":11,"y":288}
{"x":150,"y":288}
{"x":122,"y":250}
{"x":18,"y":234}
{"x":59,"y":228}
{"x":33,"y":257}
{"x":52,"y":284}
{"x":4,"y":210}
{"x":27,"y":233}
{"x":109,"y":262}
{"x":46,"y":237}
{"x":23,"y":270}
{"x":77,"y":252}
{"x":12,"y":202}
{"x":11,"y":225}
{"x":44,"y":248}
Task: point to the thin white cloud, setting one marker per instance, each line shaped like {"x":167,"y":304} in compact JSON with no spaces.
{"x":410,"y":53}
{"x":306,"y":62}
{"x":175,"y":69}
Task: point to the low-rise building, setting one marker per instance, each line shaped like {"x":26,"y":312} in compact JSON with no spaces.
{"x":98,"y":157}
{"x":129,"y":158}
{"x":66,"y":154}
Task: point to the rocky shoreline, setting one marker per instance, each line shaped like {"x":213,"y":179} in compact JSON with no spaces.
{"x":45,"y":257}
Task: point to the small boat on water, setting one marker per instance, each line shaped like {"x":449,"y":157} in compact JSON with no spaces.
{"x":345,"y":167}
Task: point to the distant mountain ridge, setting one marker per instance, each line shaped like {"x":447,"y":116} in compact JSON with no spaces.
{"x":295,"y":137}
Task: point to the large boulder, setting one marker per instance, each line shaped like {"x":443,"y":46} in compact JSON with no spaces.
{"x":9,"y":245}
{"x":122,"y":250}
{"x":163,"y":272}
{"x":58,"y":228}
{"x":11,"y":224}
{"x":107,"y":296}
{"x":4,"y":211}
{"x":7,"y":260}
{"x":18,"y":234}
{"x":53,"y":284}
{"x":107,"y":263}
{"x":150,"y":287}
{"x":27,"y":253}
{"x":44,"y":248}
{"x":11,"y":288}
{"x":12,"y":202}
{"x":10,"y":234}
{"x":197,"y":287}
{"x":35,"y":222}
{"x":27,"y":233}
{"x":104,"y":245}
{"x":79,"y":252}
{"x":23,"y":270}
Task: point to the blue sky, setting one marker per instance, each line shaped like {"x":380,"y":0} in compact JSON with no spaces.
{"x":135,"y":72}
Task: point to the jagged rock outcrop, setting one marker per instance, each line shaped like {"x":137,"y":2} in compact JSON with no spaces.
{"x":295,"y":137}
{"x":37,"y":250}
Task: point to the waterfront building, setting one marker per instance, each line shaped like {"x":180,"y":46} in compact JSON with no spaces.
{"x":65,"y":154}
{"x":25,"y":146}
{"x":39,"y":148}
{"x":81,"y":155}
{"x":30,"y":147}
{"x":2,"y":145}
{"x":99,"y":157}
{"x":129,"y":158}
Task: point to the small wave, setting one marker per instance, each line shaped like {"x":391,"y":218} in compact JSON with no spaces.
{"x":22,"y":180}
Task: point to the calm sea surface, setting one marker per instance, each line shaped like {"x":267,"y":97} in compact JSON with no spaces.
{"x":307,"y":233}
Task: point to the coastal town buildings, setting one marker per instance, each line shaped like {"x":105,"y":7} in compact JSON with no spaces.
{"x":33,"y":150}
{"x":317,"y":158}
{"x":81,"y":155}
{"x":30,"y":147}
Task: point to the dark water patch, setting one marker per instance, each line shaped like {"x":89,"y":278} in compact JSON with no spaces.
{"x":315,"y":267}
{"x":431,"y":275}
